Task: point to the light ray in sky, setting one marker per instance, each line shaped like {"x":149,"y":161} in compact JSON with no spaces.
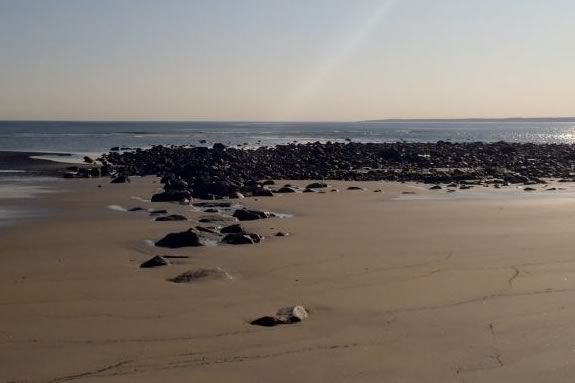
{"x":348,"y":46}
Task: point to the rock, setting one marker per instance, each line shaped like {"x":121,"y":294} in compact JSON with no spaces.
{"x":355,"y":188}
{"x":69,"y":175}
{"x":172,"y":217}
{"x":176,"y":240}
{"x":317,"y":185}
{"x":265,"y":321}
{"x":263,"y":193}
{"x":268,"y":182}
{"x":250,"y":215}
{"x":435,"y":187}
{"x":120,"y":179}
{"x":236,"y":228}
{"x":292,"y":314}
{"x":137,"y":208}
{"x":210,"y":230}
{"x":528,"y":189}
{"x":211,"y":210}
{"x":281,"y":234}
{"x":287,"y":189}
{"x":88,"y":160}
{"x":286,"y":315}
{"x":213,"y":219}
{"x":213,"y":204}
{"x":241,"y":239}
{"x":171,"y":196}
{"x":158,"y":212}
{"x":195,"y":275}
{"x":156,"y":261}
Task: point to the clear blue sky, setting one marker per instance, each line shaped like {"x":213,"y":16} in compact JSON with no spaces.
{"x":286,"y":60}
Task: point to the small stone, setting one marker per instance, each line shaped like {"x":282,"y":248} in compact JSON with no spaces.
{"x":156,"y":261}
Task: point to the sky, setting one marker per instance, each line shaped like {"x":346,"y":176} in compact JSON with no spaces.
{"x":278,"y":60}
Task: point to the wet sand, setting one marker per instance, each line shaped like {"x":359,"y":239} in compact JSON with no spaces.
{"x":399,"y":290}
{"x":24,"y":163}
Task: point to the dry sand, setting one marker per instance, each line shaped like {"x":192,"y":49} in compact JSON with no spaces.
{"x":422,"y":290}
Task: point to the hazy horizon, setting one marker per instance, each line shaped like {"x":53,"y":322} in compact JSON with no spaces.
{"x":277,"y":61}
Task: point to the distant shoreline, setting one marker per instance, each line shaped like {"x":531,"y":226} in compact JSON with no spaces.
{"x":388,"y":120}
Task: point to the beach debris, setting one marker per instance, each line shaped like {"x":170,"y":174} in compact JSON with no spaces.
{"x":195,"y":275}
{"x":156,"y":261}
{"x":285,"y":315}
{"x":251,"y":215}
{"x":187,"y":238}
{"x":171,"y":217}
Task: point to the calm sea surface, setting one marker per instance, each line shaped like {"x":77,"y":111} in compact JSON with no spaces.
{"x":97,"y":137}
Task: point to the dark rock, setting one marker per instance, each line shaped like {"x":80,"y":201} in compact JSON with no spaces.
{"x":355,"y":188}
{"x":88,"y":160}
{"x":173,"y":217}
{"x":250,"y":215}
{"x":236,"y":228}
{"x":158,"y":212}
{"x":156,"y":261}
{"x":281,"y":234}
{"x":120,"y":179}
{"x":266,"y":321}
{"x":241,"y":239}
{"x":435,"y":187}
{"x":176,"y":240}
{"x":285,"y":315}
{"x":268,"y":182}
{"x":262,"y":193}
{"x":287,"y":189}
{"x":317,"y":185}
{"x":69,"y":175}
{"x":137,"y":208}
{"x":171,"y":196}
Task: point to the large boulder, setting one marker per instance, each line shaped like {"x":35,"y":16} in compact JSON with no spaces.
{"x":184,"y":239}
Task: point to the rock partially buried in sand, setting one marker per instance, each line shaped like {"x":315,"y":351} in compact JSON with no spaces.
{"x":173,"y":217}
{"x":356,"y":188}
{"x":435,"y":187}
{"x":195,"y":275}
{"x":176,"y":240}
{"x":121,"y":179}
{"x":316,"y":185}
{"x":241,"y":239}
{"x":251,"y":215}
{"x":156,"y":261}
{"x":287,"y":189}
{"x":285,"y":315}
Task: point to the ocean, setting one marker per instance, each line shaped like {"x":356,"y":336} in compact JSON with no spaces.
{"x":97,"y":137}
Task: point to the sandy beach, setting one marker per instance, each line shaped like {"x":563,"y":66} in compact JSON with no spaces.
{"x":399,"y":289}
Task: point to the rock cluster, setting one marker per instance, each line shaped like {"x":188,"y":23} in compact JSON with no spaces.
{"x":220,"y":171}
